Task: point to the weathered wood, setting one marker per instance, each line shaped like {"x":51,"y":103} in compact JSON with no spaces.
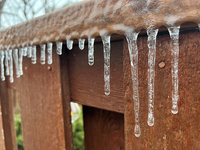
{"x":2,"y":139}
{"x":104,"y":130}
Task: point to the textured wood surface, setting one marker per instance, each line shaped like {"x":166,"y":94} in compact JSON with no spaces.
{"x":104,"y":130}
{"x":2,"y":139}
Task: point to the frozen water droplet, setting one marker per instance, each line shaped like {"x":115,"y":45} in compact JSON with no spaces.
{"x":6,"y":62}
{"x":69,"y":44}
{"x":133,"y":53}
{"x":29,"y":52}
{"x":90,"y":51}
{"x":20,"y":61}
{"x":10,"y":63}
{"x":174,"y":35}
{"x":2,"y":66}
{"x":81,"y":44}
{"x":15,"y":58}
{"x":42,"y":56}
{"x":25,"y":51}
{"x":34,"y":57}
{"x":106,"y":50}
{"x":49,"y":53}
{"x":59,"y":48}
{"x":152,"y":33}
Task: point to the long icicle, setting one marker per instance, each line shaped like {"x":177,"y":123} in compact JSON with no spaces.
{"x":49,"y":53}
{"x":2,"y":66}
{"x":6,"y":62}
{"x":34,"y":57}
{"x":59,"y":48}
{"x":25,"y":51}
{"x":106,"y":50}
{"x":20,"y":61}
{"x":15,"y":58}
{"x":10,"y":63}
{"x":152,"y":34}
{"x":91,"y":51}
{"x":42,"y":54}
{"x":81,"y":43}
{"x":133,"y":52}
{"x":29,"y":52}
{"x":174,"y":35}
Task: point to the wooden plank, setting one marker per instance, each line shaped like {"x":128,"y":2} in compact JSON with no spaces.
{"x":104,"y":130}
{"x":2,"y":139}
{"x":87,"y":82}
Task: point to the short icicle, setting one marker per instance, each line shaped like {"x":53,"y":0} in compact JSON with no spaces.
{"x":15,"y":58}
{"x":81,"y":43}
{"x":152,"y":34}
{"x":6,"y":62}
{"x":2,"y":66}
{"x":91,"y":51}
{"x":59,"y":48}
{"x":29,"y":52}
{"x":174,"y":35}
{"x":25,"y":51}
{"x":42,"y":55}
{"x":49,"y":53}
{"x":20,"y":61}
{"x":10,"y":64}
{"x":106,"y":50}
{"x":34,"y":57}
{"x":69,"y":44}
{"x":133,"y":52}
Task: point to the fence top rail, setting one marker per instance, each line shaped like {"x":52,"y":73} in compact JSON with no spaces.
{"x":97,"y":17}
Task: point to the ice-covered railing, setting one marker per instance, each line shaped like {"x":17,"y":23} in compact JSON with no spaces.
{"x":89,"y":19}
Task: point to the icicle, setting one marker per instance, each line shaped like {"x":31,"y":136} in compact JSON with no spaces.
{"x":49,"y":53}
{"x":152,"y":33}
{"x":91,"y":51}
{"x":2,"y":66}
{"x":15,"y":57}
{"x":20,"y":61}
{"x":34,"y":57}
{"x":59,"y":48}
{"x":29,"y":52}
{"x":10,"y":64}
{"x":133,"y":52}
{"x":174,"y":34}
{"x":81,"y":44}
{"x":42,"y":56}
{"x":106,"y":50}
{"x":69,"y":44}
{"x":6,"y":62}
{"x":25,"y":51}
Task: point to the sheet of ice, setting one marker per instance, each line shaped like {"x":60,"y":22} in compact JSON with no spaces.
{"x":10,"y":64}
{"x":6,"y":62}
{"x":49,"y":53}
{"x":15,"y":58}
{"x":34,"y":57}
{"x":59,"y":48}
{"x":20,"y":61}
{"x":152,"y":34}
{"x":2,"y":65}
{"x":29,"y":52}
{"x":131,"y":37}
{"x":42,"y":55}
{"x":81,"y":43}
{"x":106,"y":51}
{"x":91,"y":51}
{"x":174,"y":35}
{"x":69,"y":44}
{"x":25,"y":51}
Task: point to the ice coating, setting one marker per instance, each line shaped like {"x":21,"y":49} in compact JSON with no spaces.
{"x":106,"y":51}
{"x":6,"y":62}
{"x":15,"y":58}
{"x":25,"y":51}
{"x":34,"y":57}
{"x":59,"y":48}
{"x":131,"y":37}
{"x":29,"y":52}
{"x":10,"y":64}
{"x":69,"y":44}
{"x":91,"y":51}
{"x":49,"y":53}
{"x":81,"y":43}
{"x":42,"y":55}
{"x":20,"y":61}
{"x":174,"y":35}
{"x":2,"y":65}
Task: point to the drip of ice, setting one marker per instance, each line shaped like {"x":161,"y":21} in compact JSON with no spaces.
{"x":106,"y":50}
{"x":91,"y":51}
{"x":49,"y":53}
{"x":10,"y":64}
{"x":69,"y":44}
{"x":59,"y":48}
{"x":81,"y":44}
{"x":133,"y":52}
{"x":20,"y":61}
{"x":15,"y":58}
{"x":42,"y":56}
{"x":29,"y":52}
{"x":2,"y":66}
{"x":34,"y":57}
{"x":6,"y":62}
{"x":152,"y":33}
{"x":25,"y":51}
{"x":174,"y":34}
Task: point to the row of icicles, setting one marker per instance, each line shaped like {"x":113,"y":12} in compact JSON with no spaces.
{"x":30,"y":52}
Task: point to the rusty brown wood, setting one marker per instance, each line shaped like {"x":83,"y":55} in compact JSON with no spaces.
{"x":8,"y":116}
{"x":104,"y":130}
{"x":2,"y":139}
